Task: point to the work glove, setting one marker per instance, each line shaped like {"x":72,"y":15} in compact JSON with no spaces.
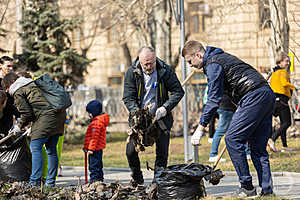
{"x":90,"y":152}
{"x":198,"y":134}
{"x":16,"y":130}
{"x":160,"y":113}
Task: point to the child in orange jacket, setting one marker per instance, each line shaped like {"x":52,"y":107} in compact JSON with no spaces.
{"x":95,"y":139}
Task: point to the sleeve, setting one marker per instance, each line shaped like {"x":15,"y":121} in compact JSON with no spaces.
{"x":130,"y":94}
{"x":173,"y":86}
{"x":285,"y":81}
{"x":215,"y":82}
{"x":25,"y":110}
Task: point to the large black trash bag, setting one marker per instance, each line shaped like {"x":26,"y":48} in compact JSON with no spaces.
{"x":183,"y":181}
{"x":15,"y":160}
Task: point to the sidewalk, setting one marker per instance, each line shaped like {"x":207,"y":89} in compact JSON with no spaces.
{"x":286,"y":184}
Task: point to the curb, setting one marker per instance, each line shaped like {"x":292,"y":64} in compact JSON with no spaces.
{"x":226,"y":173}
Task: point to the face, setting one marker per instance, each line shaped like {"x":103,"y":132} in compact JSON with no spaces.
{"x":6,"y":67}
{"x":285,"y":63}
{"x":148,"y":62}
{"x":195,"y":60}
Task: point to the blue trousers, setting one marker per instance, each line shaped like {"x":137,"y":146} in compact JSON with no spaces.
{"x":225,"y":117}
{"x":37,"y":160}
{"x":96,"y":166}
{"x":252,"y":123}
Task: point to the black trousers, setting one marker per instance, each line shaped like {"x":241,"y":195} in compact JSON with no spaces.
{"x":162,"y":151}
{"x":283,"y":111}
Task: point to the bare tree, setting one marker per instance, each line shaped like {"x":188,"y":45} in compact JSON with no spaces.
{"x":279,"y":40}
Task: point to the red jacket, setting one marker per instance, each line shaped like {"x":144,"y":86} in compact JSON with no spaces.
{"x":95,"y":137}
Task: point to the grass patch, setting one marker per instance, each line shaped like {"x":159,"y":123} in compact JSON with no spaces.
{"x":114,"y":154}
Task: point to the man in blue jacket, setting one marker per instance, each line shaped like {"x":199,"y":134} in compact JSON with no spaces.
{"x":150,"y":81}
{"x":252,"y":120}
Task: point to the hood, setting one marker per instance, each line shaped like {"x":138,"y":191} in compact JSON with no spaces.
{"x":20,"y":82}
{"x":276,"y":68}
{"x":104,"y":118}
{"x":211,"y":51}
{"x":160,"y":65}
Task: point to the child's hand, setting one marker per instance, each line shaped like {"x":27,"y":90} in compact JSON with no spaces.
{"x":90,"y":152}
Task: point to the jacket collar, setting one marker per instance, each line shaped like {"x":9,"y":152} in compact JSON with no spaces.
{"x":20,"y":82}
{"x":160,"y":67}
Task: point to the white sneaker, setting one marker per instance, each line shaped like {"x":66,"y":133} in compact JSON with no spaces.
{"x":271,"y":145}
{"x":284,"y":149}
{"x":214,"y":159}
{"x":210,"y":140}
{"x":248,"y":157}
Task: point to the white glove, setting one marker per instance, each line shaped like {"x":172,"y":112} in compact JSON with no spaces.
{"x":160,"y":113}
{"x":15,"y":130}
{"x":198,"y":134}
{"x":90,"y":152}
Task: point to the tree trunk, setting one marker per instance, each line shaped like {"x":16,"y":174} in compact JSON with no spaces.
{"x":279,"y":40}
{"x":162,"y":17}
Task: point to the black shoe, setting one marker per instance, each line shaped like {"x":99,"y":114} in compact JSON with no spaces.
{"x":135,"y":183}
{"x":242,"y":192}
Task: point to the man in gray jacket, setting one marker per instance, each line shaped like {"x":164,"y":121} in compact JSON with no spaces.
{"x":150,"y":81}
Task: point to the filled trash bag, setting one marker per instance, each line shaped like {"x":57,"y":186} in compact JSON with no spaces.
{"x":15,"y":160}
{"x":183,"y":181}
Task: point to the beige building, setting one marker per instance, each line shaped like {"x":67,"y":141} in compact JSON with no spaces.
{"x":233,"y":25}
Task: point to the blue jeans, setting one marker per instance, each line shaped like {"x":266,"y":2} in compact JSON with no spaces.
{"x":223,"y":124}
{"x":96,"y":166}
{"x":252,"y":123}
{"x":37,"y":160}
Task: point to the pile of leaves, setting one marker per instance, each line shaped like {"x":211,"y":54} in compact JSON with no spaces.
{"x":96,"y":190}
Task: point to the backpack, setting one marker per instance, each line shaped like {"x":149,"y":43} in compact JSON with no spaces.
{"x":54,"y":93}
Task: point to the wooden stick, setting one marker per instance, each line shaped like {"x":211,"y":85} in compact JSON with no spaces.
{"x":188,"y":78}
{"x":219,"y":157}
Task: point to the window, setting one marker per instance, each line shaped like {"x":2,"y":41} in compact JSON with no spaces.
{"x":115,"y":81}
{"x":196,"y":12}
{"x":264,"y":14}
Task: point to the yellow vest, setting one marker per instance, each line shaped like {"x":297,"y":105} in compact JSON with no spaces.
{"x":280,"y":83}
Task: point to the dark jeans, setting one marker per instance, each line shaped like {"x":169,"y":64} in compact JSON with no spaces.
{"x":96,"y":166}
{"x":283,"y":111}
{"x":162,"y":151}
{"x":252,"y":123}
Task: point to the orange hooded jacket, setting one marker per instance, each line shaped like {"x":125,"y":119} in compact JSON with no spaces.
{"x":95,"y":137}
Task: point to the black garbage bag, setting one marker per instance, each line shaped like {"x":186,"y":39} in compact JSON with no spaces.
{"x":183,"y":181}
{"x":15,"y":160}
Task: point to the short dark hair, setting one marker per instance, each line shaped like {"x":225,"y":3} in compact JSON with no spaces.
{"x":5,"y":58}
{"x":9,"y":79}
{"x":192,"y":47}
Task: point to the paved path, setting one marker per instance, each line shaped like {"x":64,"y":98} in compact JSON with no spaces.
{"x":286,"y":184}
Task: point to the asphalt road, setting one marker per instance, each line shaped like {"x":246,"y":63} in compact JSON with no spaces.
{"x":286,"y":184}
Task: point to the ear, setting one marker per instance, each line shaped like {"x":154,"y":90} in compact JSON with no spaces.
{"x":199,"y":54}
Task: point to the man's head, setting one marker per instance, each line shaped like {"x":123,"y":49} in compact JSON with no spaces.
{"x":283,"y":60}
{"x":193,"y":53}
{"x":6,"y":65}
{"x":8,"y":80}
{"x":147,"y":59}
{"x":94,"y":108}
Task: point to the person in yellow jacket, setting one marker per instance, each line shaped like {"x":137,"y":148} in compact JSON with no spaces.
{"x":281,"y":86}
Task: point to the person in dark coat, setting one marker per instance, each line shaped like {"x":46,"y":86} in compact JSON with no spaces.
{"x":150,"y":81}
{"x":47,"y":124}
{"x":252,"y":121}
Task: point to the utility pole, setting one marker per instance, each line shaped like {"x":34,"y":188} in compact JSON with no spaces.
{"x":190,"y":152}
